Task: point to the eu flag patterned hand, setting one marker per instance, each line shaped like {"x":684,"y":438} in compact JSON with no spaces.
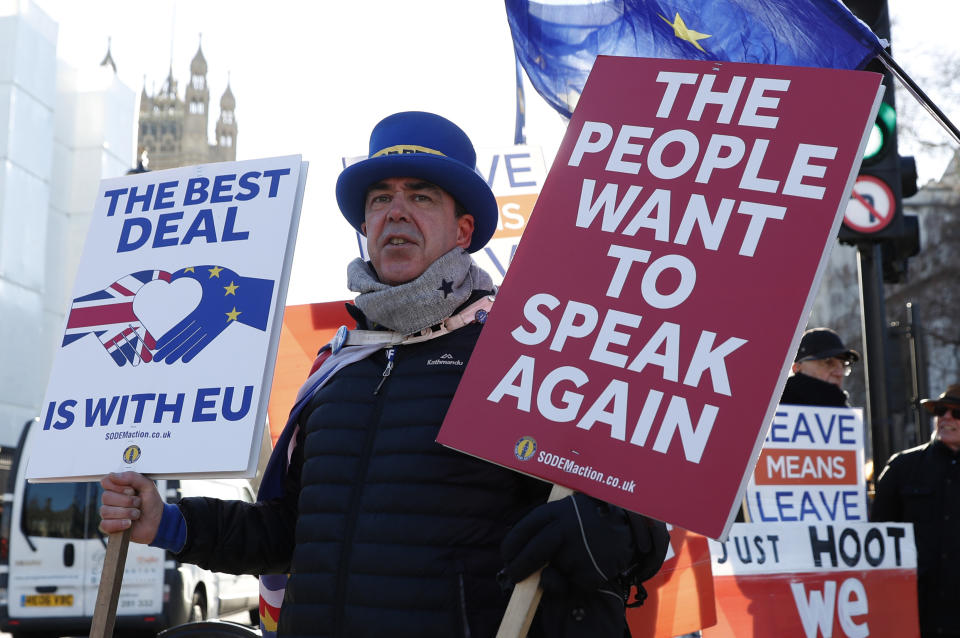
{"x":226,"y":298}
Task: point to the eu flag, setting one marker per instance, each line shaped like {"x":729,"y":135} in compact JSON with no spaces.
{"x":557,"y":40}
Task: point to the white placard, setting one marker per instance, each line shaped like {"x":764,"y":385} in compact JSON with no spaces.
{"x":171,"y":337}
{"x":753,"y":548}
{"x":810,"y":468}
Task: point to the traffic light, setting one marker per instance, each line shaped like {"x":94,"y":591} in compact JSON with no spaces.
{"x":875,"y":210}
{"x":895,"y":252}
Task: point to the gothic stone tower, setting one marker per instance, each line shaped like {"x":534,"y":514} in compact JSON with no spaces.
{"x":173,"y":131}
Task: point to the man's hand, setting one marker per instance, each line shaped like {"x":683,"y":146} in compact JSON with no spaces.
{"x":130,"y":500}
{"x":586,"y":542}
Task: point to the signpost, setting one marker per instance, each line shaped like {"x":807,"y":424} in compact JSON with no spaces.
{"x":170,"y":340}
{"x":871,"y":207}
{"x":171,"y":337}
{"x":645,"y":328}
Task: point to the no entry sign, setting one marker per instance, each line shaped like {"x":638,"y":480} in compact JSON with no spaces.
{"x":642,"y":336}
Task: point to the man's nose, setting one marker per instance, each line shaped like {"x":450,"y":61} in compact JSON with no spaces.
{"x":398,"y":207}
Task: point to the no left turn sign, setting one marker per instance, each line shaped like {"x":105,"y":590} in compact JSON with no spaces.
{"x":871,"y":205}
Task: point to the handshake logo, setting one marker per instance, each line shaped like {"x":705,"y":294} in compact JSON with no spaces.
{"x":112,"y":314}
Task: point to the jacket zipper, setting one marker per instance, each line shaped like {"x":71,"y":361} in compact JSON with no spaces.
{"x":386,"y":371}
{"x":340,"y":597}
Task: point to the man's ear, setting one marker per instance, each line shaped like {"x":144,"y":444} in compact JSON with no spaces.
{"x":464,"y":230}
{"x":795,"y":368}
{"x":363,"y":228}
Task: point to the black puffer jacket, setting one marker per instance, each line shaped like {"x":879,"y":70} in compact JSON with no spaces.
{"x":392,"y":534}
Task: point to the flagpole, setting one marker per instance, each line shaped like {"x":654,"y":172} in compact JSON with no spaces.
{"x":919,"y":95}
{"x":519,"y":133}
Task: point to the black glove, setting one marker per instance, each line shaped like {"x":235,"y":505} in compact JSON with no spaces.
{"x":577,"y":614}
{"x":586,"y":542}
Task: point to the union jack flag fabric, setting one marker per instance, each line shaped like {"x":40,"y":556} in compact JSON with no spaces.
{"x":109,"y":315}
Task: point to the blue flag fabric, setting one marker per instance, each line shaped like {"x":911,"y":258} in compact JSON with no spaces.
{"x":557,"y":41}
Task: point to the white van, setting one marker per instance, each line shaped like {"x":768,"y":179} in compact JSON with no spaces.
{"x":51,"y":556}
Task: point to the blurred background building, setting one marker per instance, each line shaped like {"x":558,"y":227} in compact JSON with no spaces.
{"x":173,"y":131}
{"x":64,"y":126}
{"x":62,"y":129}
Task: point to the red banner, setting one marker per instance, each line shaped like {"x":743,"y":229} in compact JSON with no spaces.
{"x":815,"y":604}
{"x":680,"y":598}
{"x":804,"y":581}
{"x":646,"y":324}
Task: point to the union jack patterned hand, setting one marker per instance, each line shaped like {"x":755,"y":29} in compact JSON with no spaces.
{"x":226,"y":298}
{"x":109,"y":315}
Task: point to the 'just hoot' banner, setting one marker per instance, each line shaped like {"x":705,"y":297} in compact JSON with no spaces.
{"x":172,"y":329}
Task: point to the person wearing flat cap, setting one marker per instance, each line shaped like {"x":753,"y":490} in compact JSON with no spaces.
{"x":365,"y":526}
{"x":819,"y":369}
{"x":922,"y":486}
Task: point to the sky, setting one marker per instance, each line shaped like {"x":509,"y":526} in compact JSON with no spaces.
{"x":312,"y":78}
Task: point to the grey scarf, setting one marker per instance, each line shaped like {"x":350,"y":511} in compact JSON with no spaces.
{"x":426,"y":301}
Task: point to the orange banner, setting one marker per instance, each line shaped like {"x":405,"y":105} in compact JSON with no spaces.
{"x":680,"y":597}
{"x":855,"y":603}
{"x":806,"y":467}
{"x":306,"y":329}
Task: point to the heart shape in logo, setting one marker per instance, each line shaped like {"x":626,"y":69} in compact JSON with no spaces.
{"x":160,"y":305}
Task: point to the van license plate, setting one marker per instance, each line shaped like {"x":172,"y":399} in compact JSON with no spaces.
{"x":48,"y":600}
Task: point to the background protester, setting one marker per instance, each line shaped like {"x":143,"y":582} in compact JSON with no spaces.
{"x":818,"y":370}
{"x":922,"y":486}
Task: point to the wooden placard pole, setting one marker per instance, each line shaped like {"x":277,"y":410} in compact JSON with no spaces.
{"x":526,"y":594}
{"x":105,"y":611}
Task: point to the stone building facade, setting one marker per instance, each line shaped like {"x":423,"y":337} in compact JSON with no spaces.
{"x":174,"y":131}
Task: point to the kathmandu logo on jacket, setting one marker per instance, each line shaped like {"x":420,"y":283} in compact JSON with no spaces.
{"x":445,"y":360}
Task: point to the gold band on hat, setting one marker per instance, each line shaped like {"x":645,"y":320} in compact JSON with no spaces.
{"x":400,"y":149}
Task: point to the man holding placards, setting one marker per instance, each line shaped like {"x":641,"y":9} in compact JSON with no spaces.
{"x":383,"y":531}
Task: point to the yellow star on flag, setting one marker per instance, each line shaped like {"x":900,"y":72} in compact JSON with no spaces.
{"x":681,"y":31}
{"x":233,"y":314}
{"x":188,"y":269}
{"x":215,"y":271}
{"x":231,"y":289}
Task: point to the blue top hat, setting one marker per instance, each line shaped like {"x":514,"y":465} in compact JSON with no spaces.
{"x":428,"y":147}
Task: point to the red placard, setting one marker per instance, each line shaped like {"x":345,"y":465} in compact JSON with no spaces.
{"x":643,"y":332}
